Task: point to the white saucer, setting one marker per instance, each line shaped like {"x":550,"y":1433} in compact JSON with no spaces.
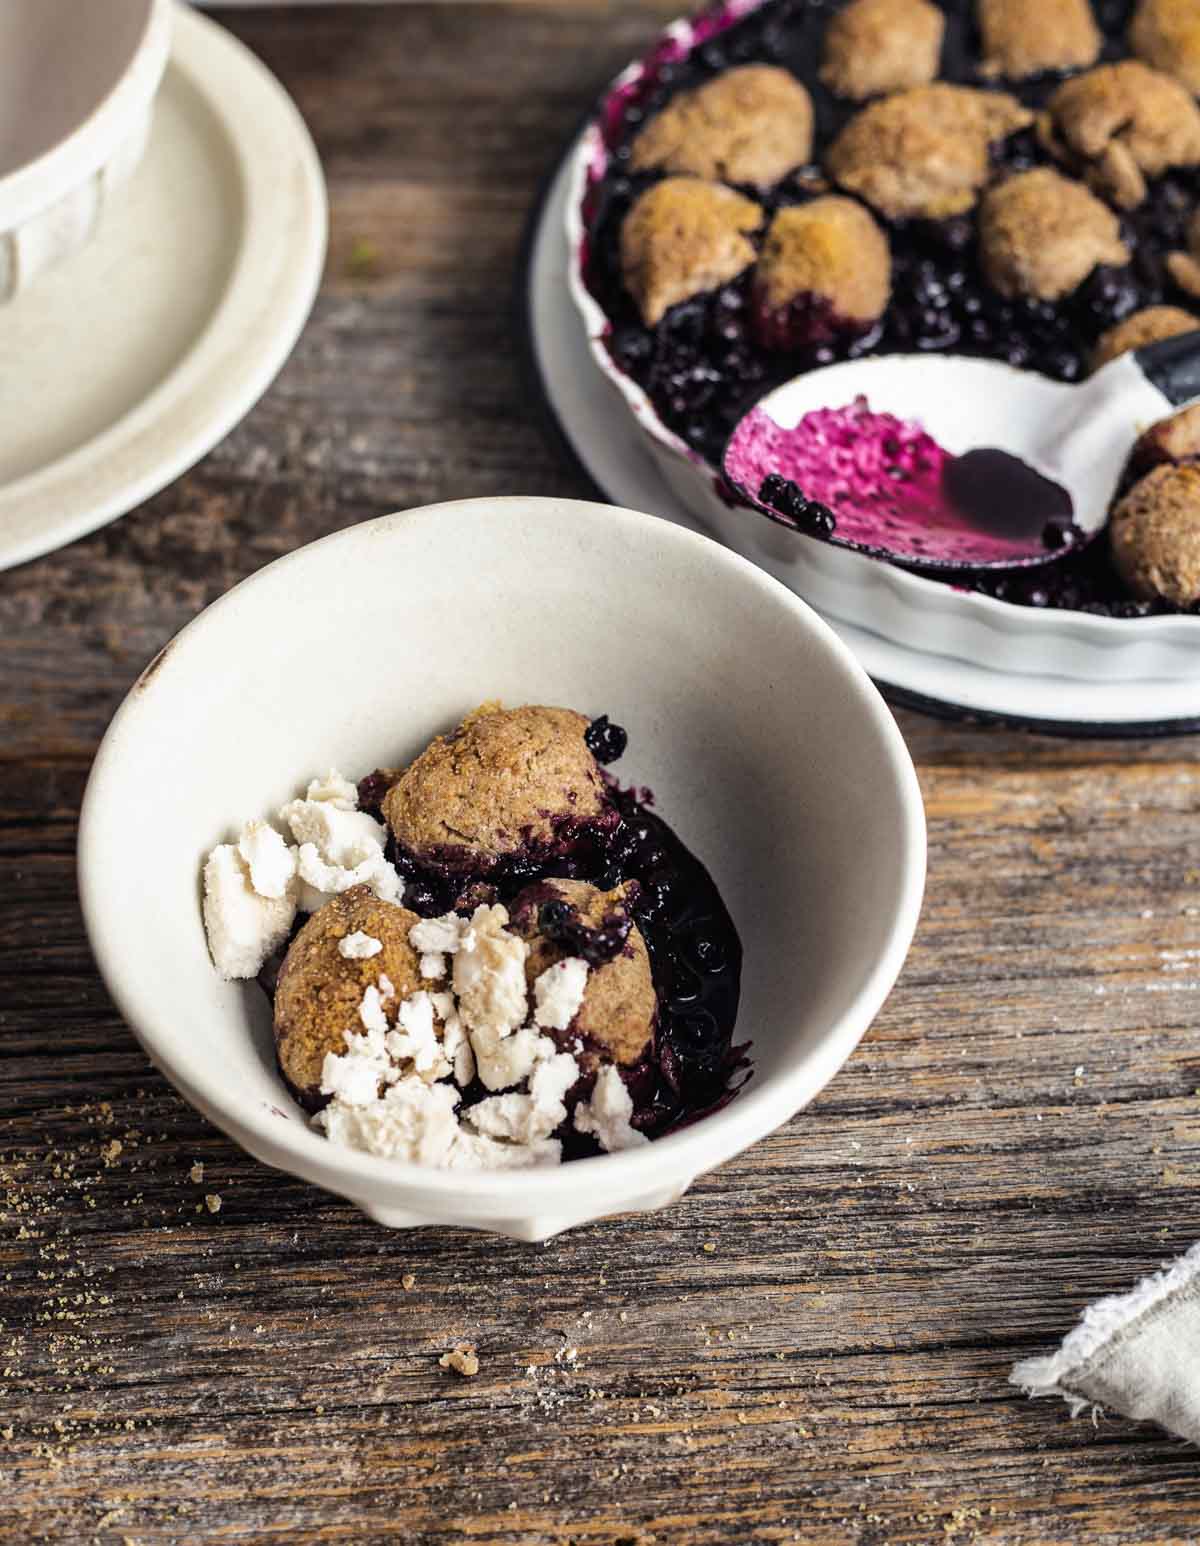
{"x":121,"y":368}
{"x":599,"y":435}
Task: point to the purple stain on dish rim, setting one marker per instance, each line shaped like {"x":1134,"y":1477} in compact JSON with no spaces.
{"x":883,"y":484}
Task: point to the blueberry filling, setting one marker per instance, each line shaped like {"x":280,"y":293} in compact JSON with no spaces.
{"x":705,"y":364}
{"x":562,"y":923}
{"x":605,"y":741}
{"x":783,"y":495}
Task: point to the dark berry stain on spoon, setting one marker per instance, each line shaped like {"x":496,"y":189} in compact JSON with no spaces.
{"x":997,"y":492}
{"x":873,"y":481}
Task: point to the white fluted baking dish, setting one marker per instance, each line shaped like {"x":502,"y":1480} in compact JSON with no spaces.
{"x":901,"y":607}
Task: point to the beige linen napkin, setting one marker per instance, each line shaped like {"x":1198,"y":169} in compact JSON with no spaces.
{"x":1138,"y":1353}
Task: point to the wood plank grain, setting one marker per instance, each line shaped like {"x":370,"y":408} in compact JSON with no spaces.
{"x":1016,"y":1135}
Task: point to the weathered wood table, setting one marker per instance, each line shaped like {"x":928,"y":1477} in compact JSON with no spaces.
{"x":813,"y":1346}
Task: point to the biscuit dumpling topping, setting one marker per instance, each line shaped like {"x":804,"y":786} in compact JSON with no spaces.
{"x":1146,"y":113}
{"x":825,"y":269}
{"x":683,"y":237}
{"x":1042,"y":234}
{"x":617,"y":1015}
{"x":750,"y":125}
{"x":323,"y":989}
{"x":1154,"y":531}
{"x":876,"y":46}
{"x":504,"y":780}
{"x":1166,"y":34}
{"x":924,"y":153}
{"x":1173,"y":439}
{"x":1025,"y":37}
{"x":1150,"y":325}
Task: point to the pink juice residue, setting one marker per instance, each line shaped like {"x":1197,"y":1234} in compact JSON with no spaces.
{"x":885,"y":480}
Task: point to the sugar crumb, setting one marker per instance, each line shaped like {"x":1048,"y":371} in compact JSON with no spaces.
{"x":461,"y":1359}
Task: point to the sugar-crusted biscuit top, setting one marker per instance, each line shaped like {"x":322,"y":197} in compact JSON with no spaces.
{"x":876,"y":46}
{"x":502,"y":779}
{"x":1150,"y":325}
{"x":684,"y":236}
{"x":1151,"y":115}
{"x":1042,"y":234}
{"x":1025,"y":37}
{"x":749,"y":125}
{"x":830,"y":248}
{"x":924,"y":152}
{"x":1155,"y":535}
{"x":1166,"y":34}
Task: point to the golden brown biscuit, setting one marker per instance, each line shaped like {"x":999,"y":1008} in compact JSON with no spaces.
{"x":1042,"y":234}
{"x":1173,"y":439}
{"x":504,"y":778}
{"x":924,"y":152}
{"x":619,"y":1003}
{"x":831,"y":251}
{"x":682,"y":237}
{"x":319,"y":992}
{"x":1155,"y":535}
{"x":751,"y":125}
{"x":874,"y":46}
{"x":1128,"y":103}
{"x":1148,"y":326}
{"x":1025,"y":37}
{"x":1166,"y":34}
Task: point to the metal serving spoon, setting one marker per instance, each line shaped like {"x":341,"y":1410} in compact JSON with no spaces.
{"x":1013,"y":468}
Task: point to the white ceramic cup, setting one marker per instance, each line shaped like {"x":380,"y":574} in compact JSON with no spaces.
{"x":77,"y":86}
{"x":765,"y":744}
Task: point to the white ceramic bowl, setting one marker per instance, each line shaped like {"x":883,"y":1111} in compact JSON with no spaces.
{"x":77,"y":86}
{"x":766,"y":745}
{"x":908,"y":610}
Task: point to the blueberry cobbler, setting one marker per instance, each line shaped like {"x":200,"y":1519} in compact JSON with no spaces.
{"x":1018,"y":179}
{"x":494,"y":958}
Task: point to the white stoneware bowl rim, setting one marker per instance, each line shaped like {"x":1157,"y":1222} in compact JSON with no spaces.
{"x":36,"y":184}
{"x":379,"y":1183}
{"x":885,"y":598}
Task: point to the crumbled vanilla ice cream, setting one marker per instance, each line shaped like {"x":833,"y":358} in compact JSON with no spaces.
{"x":433,"y":965}
{"x":370,"y":1011}
{"x":438,"y":935}
{"x":340,"y":846}
{"x":558,"y":993}
{"x":416,"y":1040}
{"x":457,"y":1046}
{"x":526,"y":1118}
{"x":606,"y":1116}
{"x":340,"y":836}
{"x":359,"y":946}
{"x":335,"y":789}
{"x":272,"y":864}
{"x":243,"y":925}
{"x":504,"y":1061}
{"x":489,"y":973}
{"x":411,"y":1120}
{"x":336,"y":846}
{"x":354,"y":1076}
